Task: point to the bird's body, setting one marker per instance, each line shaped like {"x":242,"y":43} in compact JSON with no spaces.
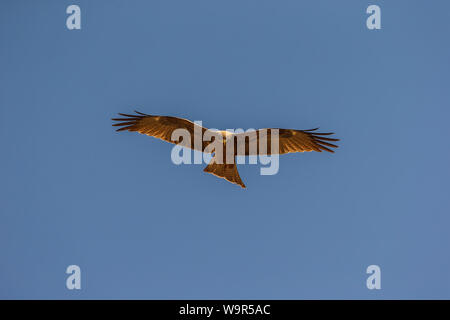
{"x":223,"y":164}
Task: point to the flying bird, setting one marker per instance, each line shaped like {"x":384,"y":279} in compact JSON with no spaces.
{"x":289,"y":140}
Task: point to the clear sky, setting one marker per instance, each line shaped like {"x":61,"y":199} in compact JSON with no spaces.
{"x":73,"y":191}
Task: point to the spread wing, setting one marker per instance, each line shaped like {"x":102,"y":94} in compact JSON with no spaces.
{"x":289,"y":140}
{"x":162,"y":127}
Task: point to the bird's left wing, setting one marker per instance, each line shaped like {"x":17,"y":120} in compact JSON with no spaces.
{"x":162,"y":127}
{"x":289,"y":140}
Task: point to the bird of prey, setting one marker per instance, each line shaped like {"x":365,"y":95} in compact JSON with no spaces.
{"x":289,"y":140}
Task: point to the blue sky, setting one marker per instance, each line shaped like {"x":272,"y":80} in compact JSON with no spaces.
{"x":73,"y":191}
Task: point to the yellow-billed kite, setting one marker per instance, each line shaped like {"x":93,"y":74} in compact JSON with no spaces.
{"x":257,"y":142}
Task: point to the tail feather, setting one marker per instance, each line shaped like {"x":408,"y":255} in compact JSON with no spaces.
{"x":228,"y":172}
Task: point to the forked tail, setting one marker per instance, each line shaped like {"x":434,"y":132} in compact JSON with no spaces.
{"x":227,"y":171}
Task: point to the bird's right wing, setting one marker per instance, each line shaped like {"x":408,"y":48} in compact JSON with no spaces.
{"x":162,"y":127}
